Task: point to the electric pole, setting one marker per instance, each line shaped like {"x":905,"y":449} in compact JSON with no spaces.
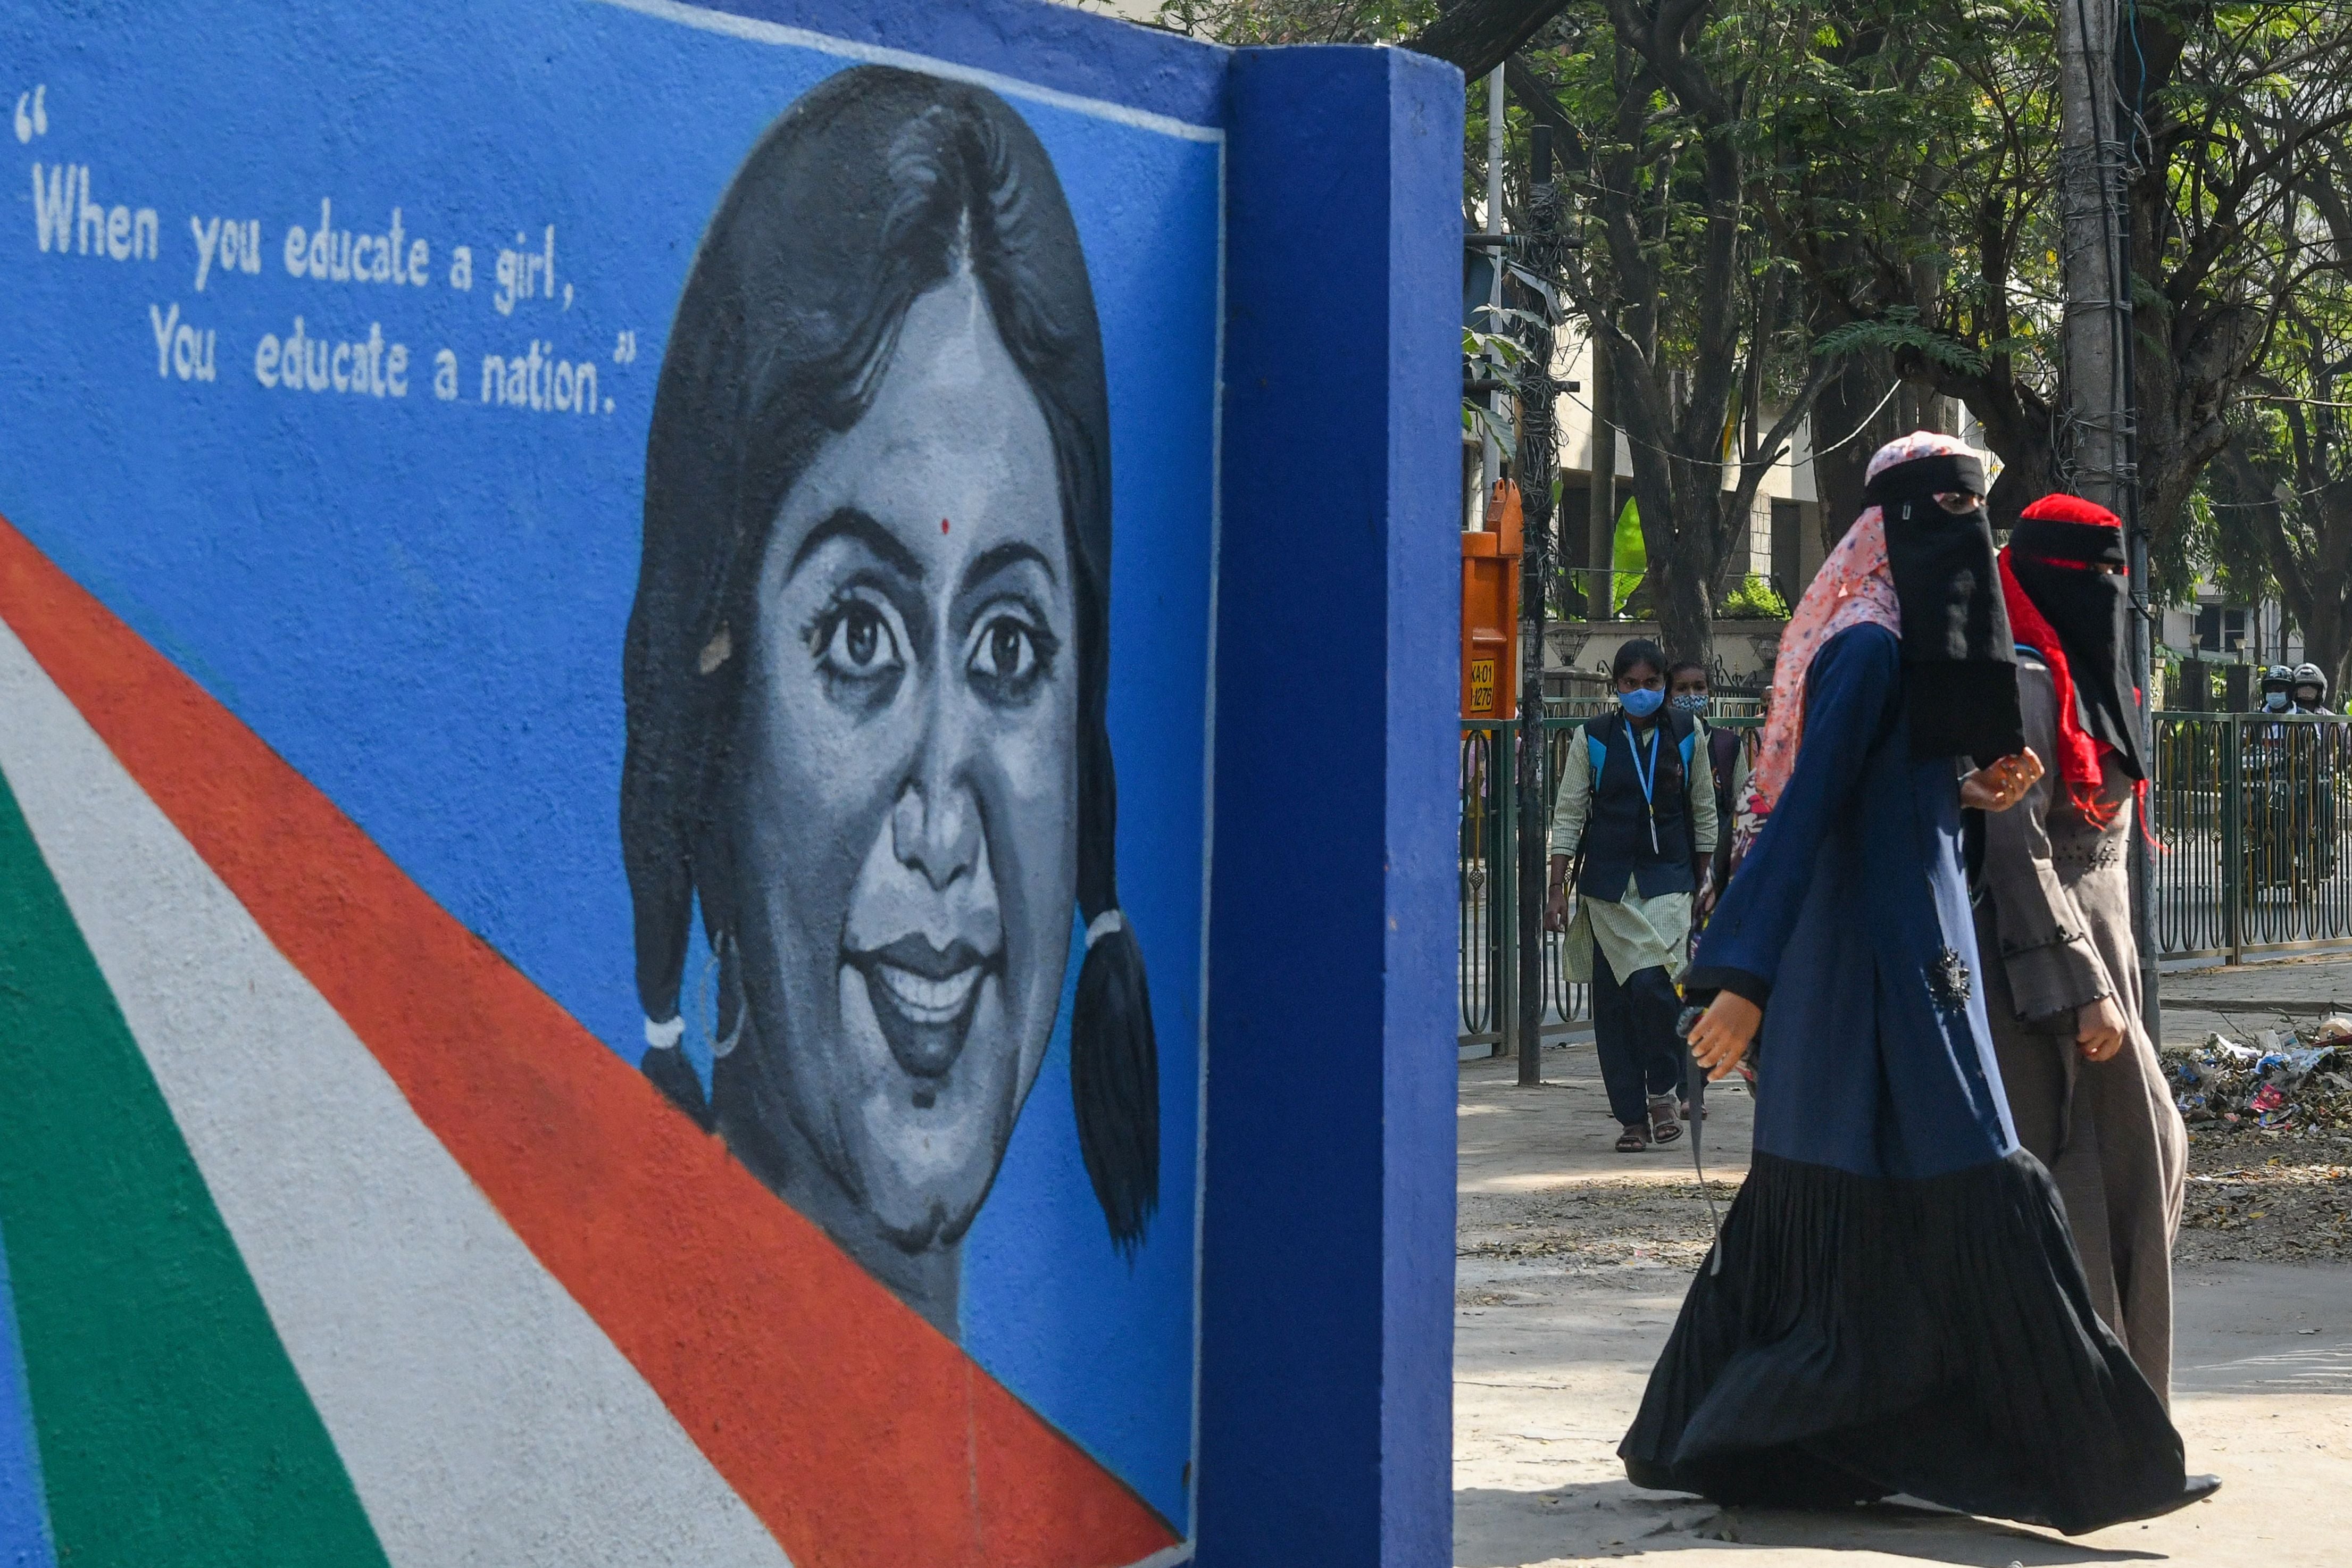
{"x":1536,"y":462}
{"x":1601,"y":497}
{"x":2100,"y":456}
{"x":1490,"y":451}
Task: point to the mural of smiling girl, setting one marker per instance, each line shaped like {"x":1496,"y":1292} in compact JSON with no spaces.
{"x":576,"y":990}
{"x":866,"y":677}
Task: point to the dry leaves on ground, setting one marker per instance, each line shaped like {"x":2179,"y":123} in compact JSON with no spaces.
{"x":2267,"y":1197}
{"x":1594,"y":1224}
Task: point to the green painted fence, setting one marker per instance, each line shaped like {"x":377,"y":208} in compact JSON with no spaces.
{"x":2254,"y":849}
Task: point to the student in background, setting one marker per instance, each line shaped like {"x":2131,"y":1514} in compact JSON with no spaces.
{"x":1633,"y":830}
{"x":1687,"y":691}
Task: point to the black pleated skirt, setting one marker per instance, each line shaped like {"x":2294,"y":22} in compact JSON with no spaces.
{"x":1854,"y":1337}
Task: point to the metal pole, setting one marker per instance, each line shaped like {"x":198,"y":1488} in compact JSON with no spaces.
{"x":2145,"y":620}
{"x":1536,"y":462}
{"x":2233,"y":835}
{"x":1600,"y":516}
{"x":2098,"y":302}
{"x":1503,"y":979}
{"x":2100,"y":396}
{"x":1490,"y":452}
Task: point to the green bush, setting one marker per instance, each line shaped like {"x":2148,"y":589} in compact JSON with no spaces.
{"x":1754,"y":600}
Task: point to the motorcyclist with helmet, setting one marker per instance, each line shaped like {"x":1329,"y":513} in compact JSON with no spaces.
{"x":2278,"y":688}
{"x":2308,"y":688}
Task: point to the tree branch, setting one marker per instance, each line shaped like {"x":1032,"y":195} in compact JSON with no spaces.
{"x":1479,"y":35}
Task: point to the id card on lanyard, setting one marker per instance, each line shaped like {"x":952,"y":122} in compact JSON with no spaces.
{"x":1648,"y":779}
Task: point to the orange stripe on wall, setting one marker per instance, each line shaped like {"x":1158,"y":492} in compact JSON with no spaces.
{"x":859,"y":1434}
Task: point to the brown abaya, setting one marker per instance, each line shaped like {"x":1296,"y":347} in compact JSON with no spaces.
{"x":2057,"y":911}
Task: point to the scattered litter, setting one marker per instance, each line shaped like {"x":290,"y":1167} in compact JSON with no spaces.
{"x":2280,"y":1079}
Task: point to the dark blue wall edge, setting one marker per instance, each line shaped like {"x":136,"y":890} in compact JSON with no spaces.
{"x":1327,"y":1217}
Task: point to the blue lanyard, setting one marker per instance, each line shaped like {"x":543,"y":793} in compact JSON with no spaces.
{"x":1647,"y":780}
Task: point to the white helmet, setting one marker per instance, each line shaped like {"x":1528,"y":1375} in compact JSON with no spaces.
{"x":2311,"y":677}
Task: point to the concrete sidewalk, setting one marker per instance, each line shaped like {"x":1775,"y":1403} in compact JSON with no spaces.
{"x":1573,"y":1261}
{"x":2239,"y":999}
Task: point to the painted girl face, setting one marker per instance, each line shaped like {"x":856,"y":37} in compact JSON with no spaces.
{"x":905,"y":806}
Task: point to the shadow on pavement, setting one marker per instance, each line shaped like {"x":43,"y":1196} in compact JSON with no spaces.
{"x":1612,"y":1520}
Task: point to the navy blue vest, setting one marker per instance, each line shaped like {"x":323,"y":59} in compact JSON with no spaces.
{"x":1616,"y":840}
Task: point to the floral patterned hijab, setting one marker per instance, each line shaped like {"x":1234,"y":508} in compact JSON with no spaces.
{"x":1854,"y":586}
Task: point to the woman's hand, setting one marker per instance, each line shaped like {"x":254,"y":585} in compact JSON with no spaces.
{"x":1556,"y":908}
{"x":1999,"y":785}
{"x":1720,"y":1037}
{"x":2099,"y":1030}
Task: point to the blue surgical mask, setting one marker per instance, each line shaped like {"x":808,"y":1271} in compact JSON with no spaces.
{"x":1691,"y":702}
{"x":1642,"y":701}
{"x":2273,"y":701}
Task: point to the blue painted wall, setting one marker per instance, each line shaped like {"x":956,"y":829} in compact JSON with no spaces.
{"x":1326,"y":1324}
{"x":25,"y":1539}
{"x":420,"y":603}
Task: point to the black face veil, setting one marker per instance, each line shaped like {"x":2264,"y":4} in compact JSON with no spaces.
{"x":1960,"y":663}
{"x":2057,"y":561}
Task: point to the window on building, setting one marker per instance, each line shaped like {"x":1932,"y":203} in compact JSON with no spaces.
{"x":1788,"y":548}
{"x":2221,"y":628}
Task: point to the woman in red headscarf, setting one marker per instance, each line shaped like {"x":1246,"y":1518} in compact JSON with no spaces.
{"x":1893,"y":1303}
{"x":2084,"y":1089}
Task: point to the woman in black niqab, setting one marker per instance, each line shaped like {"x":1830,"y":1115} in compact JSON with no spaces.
{"x":1894,"y":1303}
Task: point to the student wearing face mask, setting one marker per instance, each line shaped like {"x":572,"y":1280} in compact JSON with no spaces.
{"x":1632,"y":830}
{"x":1687,"y":691}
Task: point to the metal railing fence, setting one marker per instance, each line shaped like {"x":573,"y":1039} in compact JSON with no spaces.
{"x":1487,"y":882}
{"x":2257,"y":849}
{"x":2254,"y":846}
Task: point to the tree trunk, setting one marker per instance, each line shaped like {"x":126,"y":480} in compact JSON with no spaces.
{"x":2098,"y":302}
{"x":1851,"y":395}
{"x":2326,"y":642}
{"x":1675,"y":413}
{"x":2326,"y":616}
{"x":1600,"y":494}
{"x":1479,"y":35}
{"x":2313,"y":571}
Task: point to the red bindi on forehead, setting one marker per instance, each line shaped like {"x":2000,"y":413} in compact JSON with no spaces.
{"x":943,"y":525}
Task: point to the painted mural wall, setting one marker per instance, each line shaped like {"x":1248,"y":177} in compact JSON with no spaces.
{"x":604,"y":697}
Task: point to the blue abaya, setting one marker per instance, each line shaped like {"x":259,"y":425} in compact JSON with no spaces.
{"x":1894,"y":1304}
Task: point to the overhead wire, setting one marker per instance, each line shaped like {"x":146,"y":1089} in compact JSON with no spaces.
{"x":1664,"y":452}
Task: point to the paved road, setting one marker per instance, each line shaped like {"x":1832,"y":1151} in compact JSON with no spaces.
{"x":2237,"y":1000}
{"x":1575,"y":1262}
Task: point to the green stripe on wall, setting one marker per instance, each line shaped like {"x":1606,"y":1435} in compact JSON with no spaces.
{"x":173,"y":1430}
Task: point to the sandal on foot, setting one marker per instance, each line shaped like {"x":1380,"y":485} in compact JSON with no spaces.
{"x":1663,"y":1127}
{"x":1632,"y":1141}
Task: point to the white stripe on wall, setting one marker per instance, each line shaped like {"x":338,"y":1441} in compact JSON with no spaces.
{"x":753,"y":31}
{"x":482,"y":1414}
